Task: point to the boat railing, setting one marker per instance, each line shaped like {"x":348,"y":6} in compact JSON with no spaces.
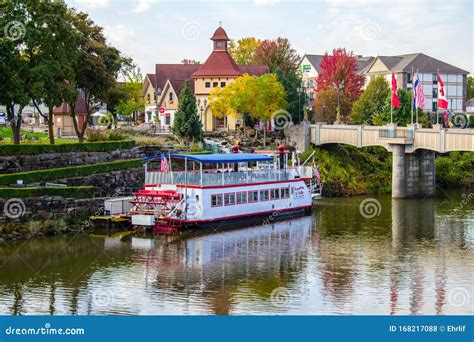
{"x":226,"y":178}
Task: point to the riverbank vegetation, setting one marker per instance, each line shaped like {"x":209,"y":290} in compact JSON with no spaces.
{"x":67,"y":172}
{"x":347,"y":171}
{"x":66,"y":192}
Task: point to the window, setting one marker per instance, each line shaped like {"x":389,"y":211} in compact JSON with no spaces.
{"x":167,"y":119}
{"x":148,"y":97}
{"x":216,"y":200}
{"x":435,"y":106}
{"x":215,"y":84}
{"x":435,"y":79}
{"x":253,"y":196}
{"x":285,"y":193}
{"x":241,"y":197}
{"x":264,"y":196}
{"x":275,"y":194}
{"x":229,"y":198}
{"x":409,"y":80}
{"x":222,"y":84}
{"x":208,"y":84}
{"x":171,"y":96}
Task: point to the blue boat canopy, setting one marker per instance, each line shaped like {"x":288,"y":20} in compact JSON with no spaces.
{"x":217,"y":157}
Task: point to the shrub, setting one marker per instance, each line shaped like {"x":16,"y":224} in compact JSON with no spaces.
{"x":67,"y":192}
{"x":67,"y":172}
{"x":104,"y":146}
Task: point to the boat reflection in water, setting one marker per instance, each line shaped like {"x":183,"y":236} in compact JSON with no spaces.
{"x":414,"y":257}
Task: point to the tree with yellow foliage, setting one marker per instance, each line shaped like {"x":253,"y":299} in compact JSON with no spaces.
{"x":262,"y":97}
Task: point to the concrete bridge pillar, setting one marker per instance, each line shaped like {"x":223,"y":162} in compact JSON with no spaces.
{"x":413,"y":174}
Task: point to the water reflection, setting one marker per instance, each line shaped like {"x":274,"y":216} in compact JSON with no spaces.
{"x":406,"y":260}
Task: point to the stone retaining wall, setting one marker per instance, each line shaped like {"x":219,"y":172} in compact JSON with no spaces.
{"x":23,"y":163}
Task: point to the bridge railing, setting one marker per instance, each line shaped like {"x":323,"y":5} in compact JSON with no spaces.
{"x":389,"y":133}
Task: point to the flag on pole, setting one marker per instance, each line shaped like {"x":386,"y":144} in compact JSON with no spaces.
{"x":164,"y":165}
{"x":317,"y":173}
{"x":442,"y":102}
{"x":395,"y":100}
{"x":419,"y":96}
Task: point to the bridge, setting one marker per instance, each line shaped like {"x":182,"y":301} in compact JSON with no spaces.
{"x":413,"y":149}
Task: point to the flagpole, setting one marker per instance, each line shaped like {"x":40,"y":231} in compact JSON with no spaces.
{"x":412,"y":91}
{"x":417,"y":105}
{"x":391,"y":99}
{"x":437,"y":102}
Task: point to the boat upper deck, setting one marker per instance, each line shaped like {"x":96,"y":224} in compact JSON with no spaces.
{"x":228,"y":177}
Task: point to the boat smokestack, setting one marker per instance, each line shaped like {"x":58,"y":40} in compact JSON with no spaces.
{"x":235,"y":149}
{"x":281,"y":156}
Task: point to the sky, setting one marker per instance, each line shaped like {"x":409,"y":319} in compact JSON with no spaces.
{"x":161,"y":31}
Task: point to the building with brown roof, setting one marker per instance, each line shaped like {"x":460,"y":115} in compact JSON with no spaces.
{"x":218,"y":70}
{"x":63,"y":119}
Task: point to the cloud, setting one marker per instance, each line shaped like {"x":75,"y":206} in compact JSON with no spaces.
{"x":143,"y":5}
{"x":266,"y":2}
{"x":93,"y":3}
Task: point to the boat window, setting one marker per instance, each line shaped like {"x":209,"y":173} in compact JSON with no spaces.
{"x":229,"y":198}
{"x":285,"y":193}
{"x":275,"y":194}
{"x":216,"y":200}
{"x":264,"y":195}
{"x":241,"y":197}
{"x":253,"y":196}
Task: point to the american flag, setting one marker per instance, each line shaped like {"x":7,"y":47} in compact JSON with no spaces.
{"x":164,"y":165}
{"x":317,"y":173}
{"x":419,"y":97}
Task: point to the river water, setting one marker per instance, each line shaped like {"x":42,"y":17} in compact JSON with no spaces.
{"x":354,"y":255}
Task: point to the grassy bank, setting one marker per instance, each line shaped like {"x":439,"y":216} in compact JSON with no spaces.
{"x":67,"y":172}
{"x":347,"y":171}
{"x":67,"y":192}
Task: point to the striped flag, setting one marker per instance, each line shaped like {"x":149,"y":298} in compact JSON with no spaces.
{"x":317,"y":173}
{"x":419,"y":96}
{"x":164,"y":165}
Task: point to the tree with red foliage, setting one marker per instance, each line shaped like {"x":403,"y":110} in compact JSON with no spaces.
{"x":277,"y":54}
{"x":339,"y":71}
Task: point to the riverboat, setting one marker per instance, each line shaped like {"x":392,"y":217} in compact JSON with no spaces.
{"x":214,"y":190}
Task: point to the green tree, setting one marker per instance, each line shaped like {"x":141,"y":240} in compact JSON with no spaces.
{"x":50,"y":55}
{"x":470,"y":87}
{"x":96,"y":69}
{"x":15,"y":77}
{"x":128,"y":99}
{"x":372,"y":101}
{"x":187,"y":124}
{"x":296,"y":101}
{"x":243,"y":51}
{"x":401,"y":116}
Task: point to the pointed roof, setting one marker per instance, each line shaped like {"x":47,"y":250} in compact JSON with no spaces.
{"x":64,"y":108}
{"x":178,"y":72}
{"x":219,"y":63}
{"x":219,"y":34}
{"x":417,"y":61}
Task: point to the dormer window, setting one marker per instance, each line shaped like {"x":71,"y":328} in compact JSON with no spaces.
{"x":219,"y":45}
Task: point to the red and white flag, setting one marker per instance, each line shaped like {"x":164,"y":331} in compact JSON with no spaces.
{"x":442,"y":102}
{"x":395,"y":100}
{"x":164,"y":165}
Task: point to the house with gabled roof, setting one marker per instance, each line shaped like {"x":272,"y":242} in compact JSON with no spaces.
{"x":218,"y":70}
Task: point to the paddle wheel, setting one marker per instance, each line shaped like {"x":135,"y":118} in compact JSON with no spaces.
{"x":153,"y":207}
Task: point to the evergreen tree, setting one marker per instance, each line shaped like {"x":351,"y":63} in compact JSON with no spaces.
{"x":187,"y":124}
